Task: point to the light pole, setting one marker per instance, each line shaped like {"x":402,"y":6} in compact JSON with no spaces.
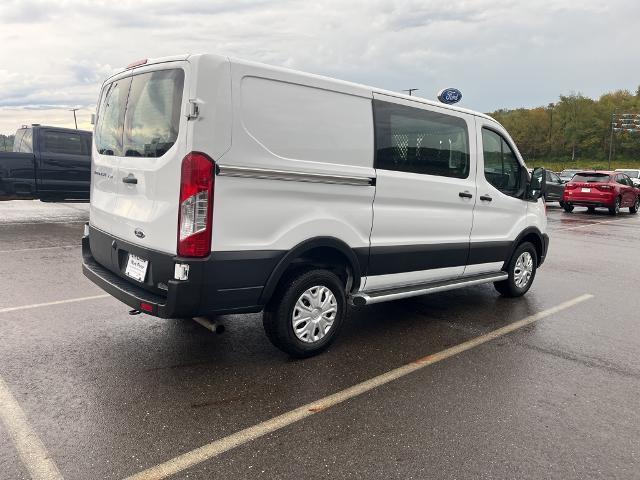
{"x":74,"y":116}
{"x":613,"y":117}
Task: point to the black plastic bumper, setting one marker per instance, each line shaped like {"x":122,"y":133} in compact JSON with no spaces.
{"x":223,"y":282}
{"x":545,"y":248}
{"x":182,"y":298}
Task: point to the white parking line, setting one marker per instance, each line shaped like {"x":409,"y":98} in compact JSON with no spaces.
{"x":584,"y":225}
{"x":44,"y":221}
{"x":48,"y":304}
{"x":211,"y":450}
{"x":39,"y":248}
{"x":32,"y":452}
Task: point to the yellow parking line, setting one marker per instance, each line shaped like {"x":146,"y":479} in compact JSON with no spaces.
{"x":49,"y":304}
{"x":211,"y":450}
{"x":32,"y":452}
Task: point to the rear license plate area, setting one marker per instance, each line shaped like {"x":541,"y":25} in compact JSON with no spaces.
{"x":136,"y":268}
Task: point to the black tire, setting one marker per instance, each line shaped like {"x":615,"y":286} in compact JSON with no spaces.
{"x":561,"y":203}
{"x":568,"y":207}
{"x":591,"y":209}
{"x":635,"y":207}
{"x":509,"y":287}
{"x":616,"y":207}
{"x":278,"y":315}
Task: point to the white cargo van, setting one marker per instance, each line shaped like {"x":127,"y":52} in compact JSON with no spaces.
{"x":224,"y":186}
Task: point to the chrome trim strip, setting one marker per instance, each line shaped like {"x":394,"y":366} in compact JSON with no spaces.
{"x":264,"y":173}
{"x":363,"y":298}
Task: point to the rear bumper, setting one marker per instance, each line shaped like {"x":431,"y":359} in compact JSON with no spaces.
{"x":224,"y":282}
{"x":590,"y":203}
{"x":597,"y":200}
{"x":181,"y":299}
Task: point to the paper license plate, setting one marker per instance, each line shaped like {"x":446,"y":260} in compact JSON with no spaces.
{"x":586,"y":190}
{"x":136,"y":268}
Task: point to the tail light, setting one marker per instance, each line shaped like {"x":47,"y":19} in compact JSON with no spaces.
{"x":604,"y":186}
{"x":196,"y":205}
{"x":570,"y":186}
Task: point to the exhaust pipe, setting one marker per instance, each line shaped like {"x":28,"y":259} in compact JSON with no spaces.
{"x":212,"y":326}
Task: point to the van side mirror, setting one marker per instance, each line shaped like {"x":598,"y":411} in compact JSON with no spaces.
{"x":93,"y":119}
{"x":537,"y":183}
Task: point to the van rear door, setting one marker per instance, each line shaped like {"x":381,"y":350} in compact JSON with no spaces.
{"x":140,"y":141}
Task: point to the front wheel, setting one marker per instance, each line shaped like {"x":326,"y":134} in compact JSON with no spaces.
{"x":568,"y":207}
{"x":616,"y":207}
{"x":306,"y":313}
{"x":521,"y":270}
{"x":636,"y":206}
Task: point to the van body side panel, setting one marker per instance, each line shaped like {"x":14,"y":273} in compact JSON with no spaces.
{"x":210,"y":89}
{"x":283,"y":123}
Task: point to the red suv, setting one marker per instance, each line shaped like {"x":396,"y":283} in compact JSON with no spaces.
{"x":612,"y":190}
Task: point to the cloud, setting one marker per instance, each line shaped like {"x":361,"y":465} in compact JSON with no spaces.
{"x":500,"y":53}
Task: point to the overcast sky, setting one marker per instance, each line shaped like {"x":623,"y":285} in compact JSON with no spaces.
{"x":499,"y":53}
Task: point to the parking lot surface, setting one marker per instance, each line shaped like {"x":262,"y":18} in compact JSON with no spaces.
{"x":89,"y":391}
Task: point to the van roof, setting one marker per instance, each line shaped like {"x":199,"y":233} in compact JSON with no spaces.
{"x":412,"y":98}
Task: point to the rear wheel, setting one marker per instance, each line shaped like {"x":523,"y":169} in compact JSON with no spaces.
{"x":521,"y":270}
{"x":568,"y":207}
{"x":616,"y":207}
{"x":306,"y":312}
{"x":636,"y":206}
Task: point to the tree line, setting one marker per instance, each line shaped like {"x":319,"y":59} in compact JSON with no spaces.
{"x":574,"y":131}
{"x":6,"y":143}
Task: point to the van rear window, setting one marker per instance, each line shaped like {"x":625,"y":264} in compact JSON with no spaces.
{"x":140,"y":116}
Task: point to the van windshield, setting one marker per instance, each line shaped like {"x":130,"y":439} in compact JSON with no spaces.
{"x":140,"y":116}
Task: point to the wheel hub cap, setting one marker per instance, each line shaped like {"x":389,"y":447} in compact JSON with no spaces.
{"x":523,"y":270}
{"x":313,"y":314}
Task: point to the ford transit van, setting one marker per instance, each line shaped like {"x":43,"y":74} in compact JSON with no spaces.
{"x":227,"y":186}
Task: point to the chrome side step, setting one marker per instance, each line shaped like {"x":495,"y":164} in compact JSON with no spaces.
{"x":378,"y":296}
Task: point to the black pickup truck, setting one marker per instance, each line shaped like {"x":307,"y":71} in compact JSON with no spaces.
{"x":47,"y":163}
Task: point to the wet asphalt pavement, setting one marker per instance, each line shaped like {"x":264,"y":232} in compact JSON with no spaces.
{"x":110,"y":394}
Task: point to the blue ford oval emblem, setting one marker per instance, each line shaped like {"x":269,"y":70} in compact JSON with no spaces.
{"x":449,"y":95}
{"x":139,"y":233}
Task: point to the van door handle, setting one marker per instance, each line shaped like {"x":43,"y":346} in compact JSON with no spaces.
{"x":465,"y":194}
{"x":130,"y":179}
{"x":486,"y":198}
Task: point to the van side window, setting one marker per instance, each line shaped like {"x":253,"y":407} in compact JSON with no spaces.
{"x":420,"y":141}
{"x":501,"y":166}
